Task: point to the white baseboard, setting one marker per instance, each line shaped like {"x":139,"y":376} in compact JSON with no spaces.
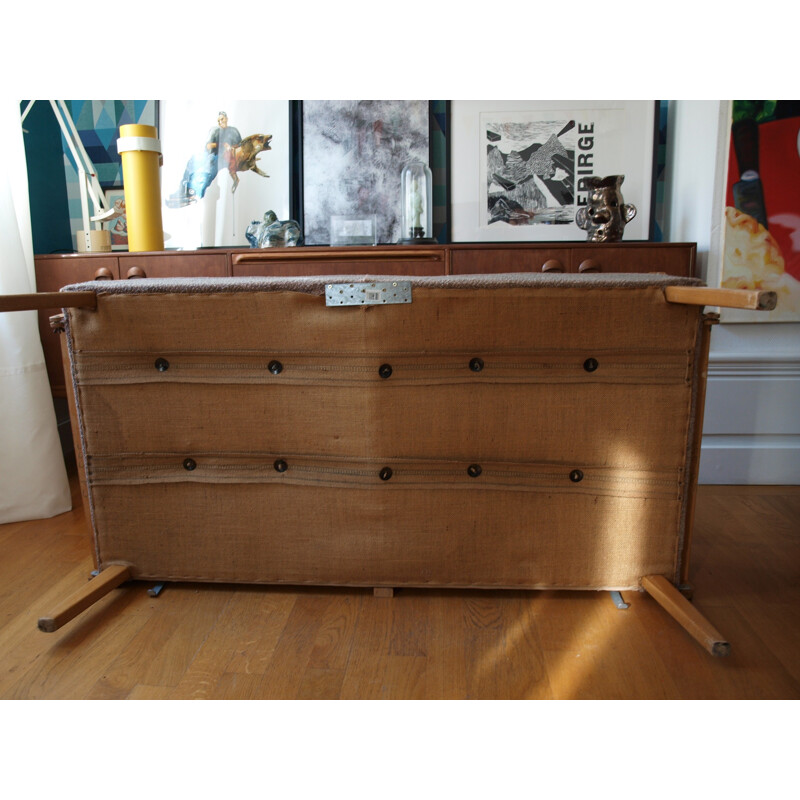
{"x":750,"y":460}
{"x":751,"y":433}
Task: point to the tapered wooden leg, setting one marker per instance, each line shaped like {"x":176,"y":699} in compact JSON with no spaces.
{"x":383,"y":591}
{"x":98,"y":587}
{"x":670,"y":598}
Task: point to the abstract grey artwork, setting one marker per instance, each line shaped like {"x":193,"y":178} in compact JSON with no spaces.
{"x":353,"y":154}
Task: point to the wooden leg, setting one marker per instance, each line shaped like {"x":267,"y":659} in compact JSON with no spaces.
{"x":383,"y":591}
{"x":670,"y":598}
{"x":98,"y":587}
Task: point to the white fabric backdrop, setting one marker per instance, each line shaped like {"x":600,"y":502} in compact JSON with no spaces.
{"x":33,"y":478}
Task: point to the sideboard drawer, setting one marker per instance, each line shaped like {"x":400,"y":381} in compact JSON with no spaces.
{"x":509,"y":259}
{"x":339,"y":261}
{"x":174,"y":265}
{"x":667,"y":258}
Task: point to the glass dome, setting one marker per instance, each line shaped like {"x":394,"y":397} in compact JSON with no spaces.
{"x":416,"y":219}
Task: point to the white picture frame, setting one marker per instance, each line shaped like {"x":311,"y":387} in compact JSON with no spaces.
{"x":599,"y":137}
{"x":220,"y":217}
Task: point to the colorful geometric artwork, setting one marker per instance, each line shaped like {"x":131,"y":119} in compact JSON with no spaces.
{"x":97,"y":123}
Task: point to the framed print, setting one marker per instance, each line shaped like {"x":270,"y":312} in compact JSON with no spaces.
{"x":519,"y":169}
{"x":353,"y":152}
{"x":757,"y":213}
{"x":226,"y":163}
{"x":118,"y":224}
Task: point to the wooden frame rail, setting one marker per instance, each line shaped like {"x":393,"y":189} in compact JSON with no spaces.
{"x":752,"y":299}
{"x":42,"y":300}
{"x":98,"y":587}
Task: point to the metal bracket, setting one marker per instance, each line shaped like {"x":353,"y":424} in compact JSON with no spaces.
{"x":618,"y":601}
{"x":367,"y":294}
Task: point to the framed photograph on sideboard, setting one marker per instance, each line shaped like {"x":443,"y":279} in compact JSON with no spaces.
{"x":118,"y":224}
{"x":226,"y":163}
{"x":518,"y":169}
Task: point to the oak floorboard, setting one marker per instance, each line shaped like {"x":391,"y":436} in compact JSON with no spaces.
{"x":774,"y":624}
{"x":504,"y":653}
{"x":125,"y":672}
{"x":22,"y":645}
{"x":295,"y":645}
{"x":692,"y":672}
{"x":200,"y":606}
{"x":591,"y":648}
{"x":264,"y":642}
{"x":446,"y":662}
{"x":144,"y":692}
{"x":320,"y":683}
{"x":334,"y":639}
{"x":410,"y":623}
{"x":235,"y":630}
{"x":262,"y":631}
{"x":76,"y":660}
{"x":752,"y":671}
{"x":369,"y":655}
{"x":404,"y":678}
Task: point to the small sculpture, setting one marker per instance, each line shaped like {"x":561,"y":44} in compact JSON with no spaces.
{"x":272,"y":232}
{"x":605,"y":214}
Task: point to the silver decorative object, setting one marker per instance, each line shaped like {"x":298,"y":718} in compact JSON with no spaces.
{"x":605,"y":214}
{"x":272,"y":232}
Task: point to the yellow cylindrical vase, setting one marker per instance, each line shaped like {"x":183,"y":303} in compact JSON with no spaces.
{"x":140,"y":151}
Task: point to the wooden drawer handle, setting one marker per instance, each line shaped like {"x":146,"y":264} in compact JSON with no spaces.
{"x":136,"y":272}
{"x":590,"y":265}
{"x":104,"y":274}
{"x":552,"y":265}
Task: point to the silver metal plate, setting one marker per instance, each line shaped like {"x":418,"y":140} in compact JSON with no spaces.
{"x":375,"y":293}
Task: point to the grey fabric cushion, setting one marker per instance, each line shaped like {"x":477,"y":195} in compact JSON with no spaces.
{"x":315,"y":284}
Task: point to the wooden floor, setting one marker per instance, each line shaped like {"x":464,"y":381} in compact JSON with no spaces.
{"x":272,"y":642}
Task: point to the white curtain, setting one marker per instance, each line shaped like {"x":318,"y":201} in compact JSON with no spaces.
{"x":33,"y":478}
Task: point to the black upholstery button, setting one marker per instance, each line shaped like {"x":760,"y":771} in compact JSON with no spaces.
{"x":385,"y":370}
{"x":576,"y":476}
{"x":275,"y":367}
{"x":162,"y":365}
{"x":189,"y":464}
{"x":590,"y":365}
{"x":280,"y":465}
{"x":473,"y":470}
{"x":385,"y":473}
{"x":476,"y":364}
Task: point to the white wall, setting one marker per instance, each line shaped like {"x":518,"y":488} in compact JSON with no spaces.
{"x":752,"y":426}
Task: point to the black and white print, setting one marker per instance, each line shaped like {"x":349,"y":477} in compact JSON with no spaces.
{"x":530,"y":172}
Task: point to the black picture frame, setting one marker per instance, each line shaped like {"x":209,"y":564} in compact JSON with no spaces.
{"x":438,"y":126}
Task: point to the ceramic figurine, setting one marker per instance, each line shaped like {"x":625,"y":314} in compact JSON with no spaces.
{"x":605,"y":214}
{"x":272,"y":232}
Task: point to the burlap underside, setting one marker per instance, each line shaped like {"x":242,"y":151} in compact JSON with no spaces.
{"x":582,"y":479}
